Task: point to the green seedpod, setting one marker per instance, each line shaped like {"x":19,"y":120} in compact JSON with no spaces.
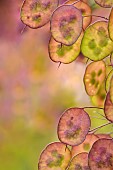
{"x":55,"y":156}
{"x":101,"y":155}
{"x":62,"y":53}
{"x":66,"y":28}
{"x":72,"y":130}
{"x":111,"y":89}
{"x":79,"y":162}
{"x":37,"y":13}
{"x":108,"y":108}
{"x":94,"y":76}
{"x":105,"y":3}
{"x":108,"y":80}
{"x":111,"y":59}
{"x":96,"y":43}
{"x":85,"y":9}
{"x":110,"y":24}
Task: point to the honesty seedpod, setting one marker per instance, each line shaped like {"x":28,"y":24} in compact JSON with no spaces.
{"x":72,"y":130}
{"x":62,"y":53}
{"x":85,"y":146}
{"x":105,"y":3}
{"x":101,"y":155}
{"x":94,"y":77}
{"x":96,"y":43}
{"x":85,"y":9}
{"x":79,"y":162}
{"x":108,"y":80}
{"x":66,"y":28}
{"x":111,"y":89}
{"x":37,"y":13}
{"x":110,"y":24}
{"x":55,"y":156}
{"x":108,"y":108}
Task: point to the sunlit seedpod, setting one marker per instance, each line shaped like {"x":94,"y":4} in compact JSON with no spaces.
{"x":73,"y":126}
{"x":99,"y":98}
{"x":96,"y":43}
{"x":108,"y":108}
{"x":110,"y":24}
{"x":101,"y":155}
{"x":94,"y":77}
{"x":85,"y":146}
{"x":108,"y":80}
{"x":105,"y":3}
{"x":37,"y":13}
{"x":55,"y":156}
{"x":62,"y":53}
{"x":111,"y":59}
{"x":111,"y":89}
{"x":85,"y":9}
{"x":79,"y":162}
{"x":66,"y":28}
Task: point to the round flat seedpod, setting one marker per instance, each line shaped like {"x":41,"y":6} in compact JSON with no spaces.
{"x":111,"y":89}
{"x":85,"y":9}
{"x":62,"y":53}
{"x":111,"y":59}
{"x":94,"y":77}
{"x":96,"y":43}
{"x":37,"y":13}
{"x":105,"y":3}
{"x":99,"y":98}
{"x":85,"y":146}
{"x":79,"y":162}
{"x":101,"y":155}
{"x":108,"y":108}
{"x":108,"y":80}
{"x":110,"y":24}
{"x":72,"y":130}
{"x":55,"y":156}
{"x":66,"y":28}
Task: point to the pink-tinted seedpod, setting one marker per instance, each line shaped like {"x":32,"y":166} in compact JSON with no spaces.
{"x":66,"y":24}
{"x":101,"y":155}
{"x":73,"y":126}
{"x":55,"y":156}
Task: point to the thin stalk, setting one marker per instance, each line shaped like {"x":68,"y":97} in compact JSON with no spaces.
{"x":95,"y":129}
{"x":98,"y":16}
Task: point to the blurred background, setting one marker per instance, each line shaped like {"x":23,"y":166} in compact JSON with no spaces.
{"x":33,"y":91}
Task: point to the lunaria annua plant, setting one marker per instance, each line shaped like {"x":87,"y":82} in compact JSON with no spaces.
{"x":84,"y":145}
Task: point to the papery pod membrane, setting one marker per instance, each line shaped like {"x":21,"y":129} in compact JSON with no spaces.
{"x":108,"y":80}
{"x":55,"y":156}
{"x":85,"y":9}
{"x":107,"y":136}
{"x":110,"y":24}
{"x":111,"y":59}
{"x":96,"y":43}
{"x":72,"y":130}
{"x":37,"y":13}
{"x":62,"y":53}
{"x":85,"y":146}
{"x":105,"y":3}
{"x":79,"y":162}
{"x":111,"y":89}
{"x":108,"y":108}
{"x":66,"y":28}
{"x":99,"y":99}
{"x":101,"y":155}
{"x":94,"y":77}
